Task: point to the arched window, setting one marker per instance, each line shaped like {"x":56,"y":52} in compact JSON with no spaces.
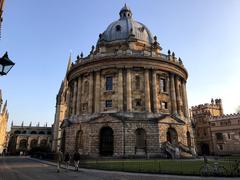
{"x":172,"y":136}
{"x":140,"y":138}
{"x":41,"y":132}
{"x":137,"y":82}
{"x":33,"y":132}
{"x":24,"y":132}
{"x":79,"y":140}
{"x":33,"y":143}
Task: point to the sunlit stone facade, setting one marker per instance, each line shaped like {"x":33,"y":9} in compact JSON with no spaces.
{"x":126,"y":98}
{"x":3,"y":124}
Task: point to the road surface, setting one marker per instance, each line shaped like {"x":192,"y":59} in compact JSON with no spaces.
{"x":24,"y":168}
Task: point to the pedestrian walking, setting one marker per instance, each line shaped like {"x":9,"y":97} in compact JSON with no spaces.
{"x":76,"y":159}
{"x":59,"y":159}
{"x":67,"y":159}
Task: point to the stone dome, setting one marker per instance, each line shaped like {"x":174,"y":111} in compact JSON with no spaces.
{"x":126,"y":27}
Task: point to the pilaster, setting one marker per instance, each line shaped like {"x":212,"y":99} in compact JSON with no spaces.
{"x":147,"y":91}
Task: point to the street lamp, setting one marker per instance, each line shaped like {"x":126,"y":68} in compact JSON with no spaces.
{"x":5,"y":64}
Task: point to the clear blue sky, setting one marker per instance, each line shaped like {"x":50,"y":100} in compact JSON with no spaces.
{"x":39,"y":36}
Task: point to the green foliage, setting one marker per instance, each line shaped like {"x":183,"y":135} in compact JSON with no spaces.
{"x":186,"y":167}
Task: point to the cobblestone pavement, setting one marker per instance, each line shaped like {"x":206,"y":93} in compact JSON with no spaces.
{"x":23,"y":168}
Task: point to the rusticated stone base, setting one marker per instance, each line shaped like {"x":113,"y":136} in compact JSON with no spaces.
{"x":124,"y":135}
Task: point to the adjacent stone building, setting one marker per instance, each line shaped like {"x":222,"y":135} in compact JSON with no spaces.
{"x":215,"y":133}
{"x":3,"y":124}
{"x":126,"y":98}
{"x":24,"y":138}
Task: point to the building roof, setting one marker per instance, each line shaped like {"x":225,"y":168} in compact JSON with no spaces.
{"x":126,"y":27}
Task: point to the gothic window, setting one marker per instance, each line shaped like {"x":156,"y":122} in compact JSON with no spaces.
{"x":164,"y":105}
{"x":109,"y":83}
{"x":137,"y":82}
{"x":108,"y":103}
{"x":219,"y":136}
{"x":163,"y":85}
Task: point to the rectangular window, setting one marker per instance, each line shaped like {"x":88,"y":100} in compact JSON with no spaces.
{"x":220,"y":146}
{"x":137,"y":82}
{"x":229,"y":136}
{"x":163,"y":85}
{"x":108,"y":103}
{"x":164,"y":105}
{"x":219,"y":136}
{"x":138,"y":102}
{"x":109,"y":83}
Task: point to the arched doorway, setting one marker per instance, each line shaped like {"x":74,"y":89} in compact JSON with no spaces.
{"x":172,"y":136}
{"x":23,"y":145}
{"x":141,"y":142}
{"x":140,"y":138}
{"x":63,"y":141}
{"x":106,"y":141}
{"x":79,"y":140}
{"x":189,"y":143}
{"x":205,"y":149}
{"x":43,"y":143}
{"x":33,"y":143}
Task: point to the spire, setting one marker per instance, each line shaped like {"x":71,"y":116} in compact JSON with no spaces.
{"x":125,"y":12}
{"x":12,"y":124}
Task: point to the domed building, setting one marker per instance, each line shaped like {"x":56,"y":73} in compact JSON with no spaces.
{"x":125,"y":99}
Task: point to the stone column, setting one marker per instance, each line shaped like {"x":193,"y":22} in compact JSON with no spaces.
{"x":129,"y":91}
{"x":173,"y":94}
{"x":74,"y":98}
{"x":120,"y":90}
{"x":154,"y":87}
{"x":147,"y":91}
{"x":97,"y":92}
{"x":90,"y":99}
{"x":79,"y":89}
{"x":185,"y":101}
{"x":178,"y":96}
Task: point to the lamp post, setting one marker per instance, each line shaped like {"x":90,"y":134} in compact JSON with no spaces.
{"x":5,"y":64}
